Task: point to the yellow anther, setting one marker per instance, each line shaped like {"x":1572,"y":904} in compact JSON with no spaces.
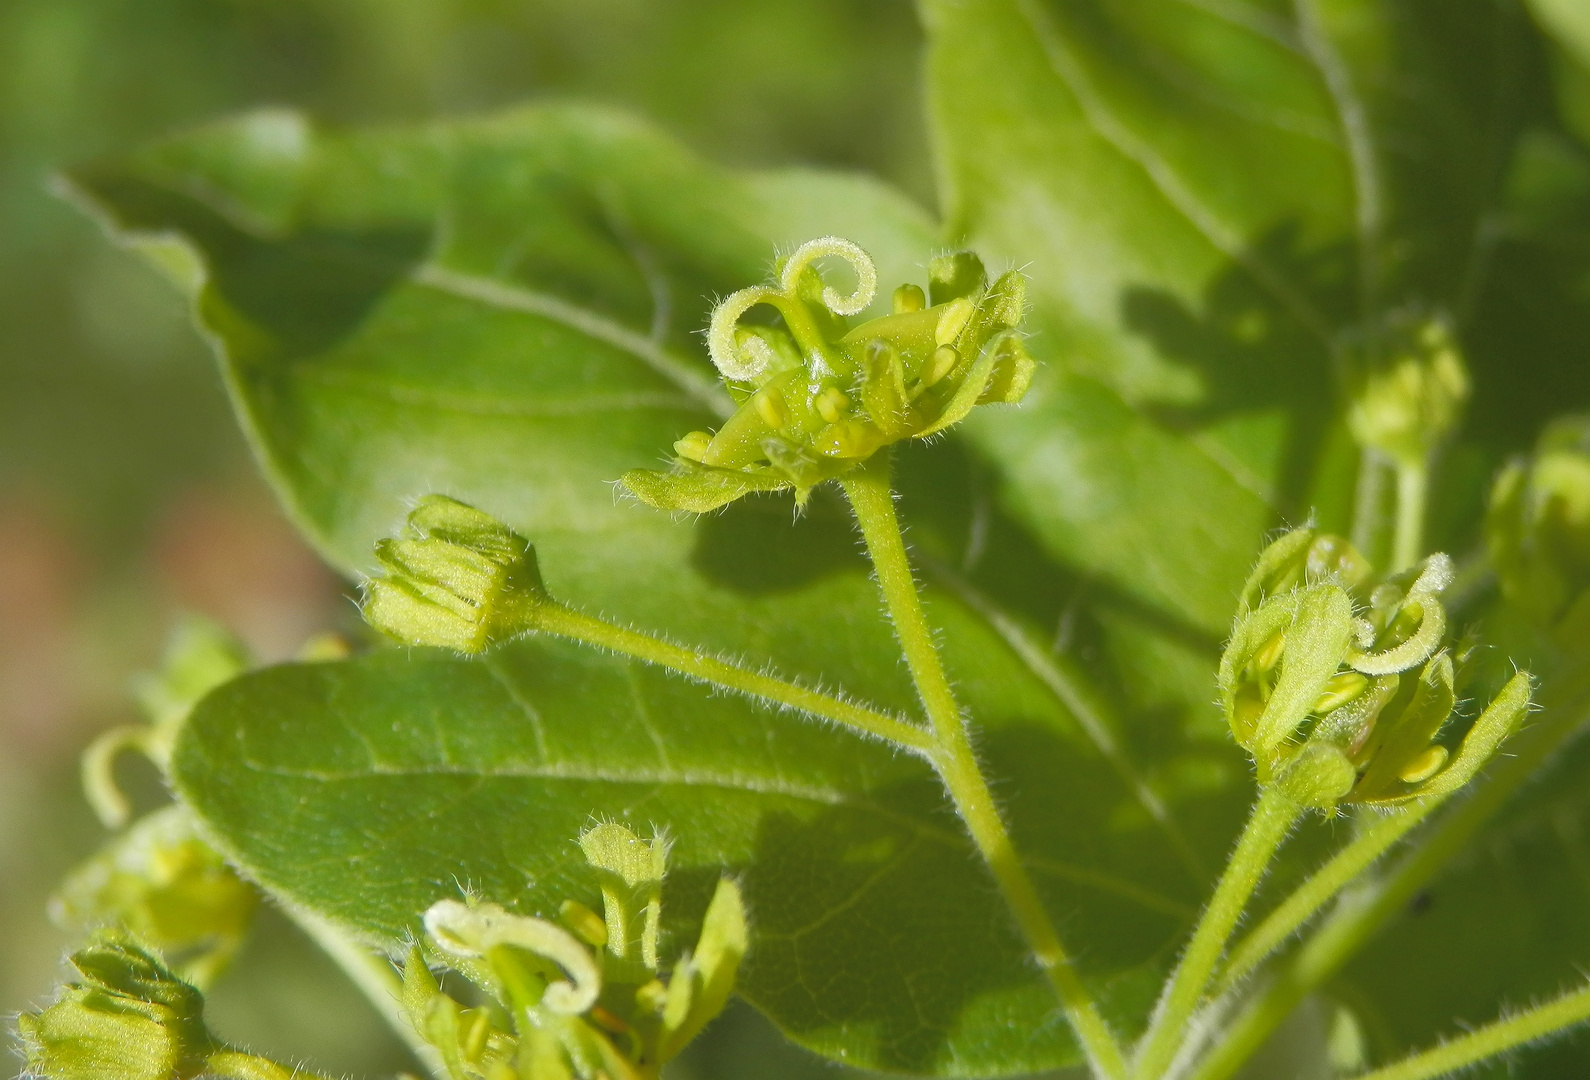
{"x":652,"y":997}
{"x":586,"y":924}
{"x":909,"y":298}
{"x":474,"y":1043}
{"x":1269,"y":653}
{"x":1340,"y":690}
{"x":831,"y":404}
{"x":941,"y":364}
{"x":1249,"y":709}
{"x":771,"y":408}
{"x":1424,"y":766}
{"x":957,"y":313}
{"x":847,"y":439}
{"x":693,"y":447}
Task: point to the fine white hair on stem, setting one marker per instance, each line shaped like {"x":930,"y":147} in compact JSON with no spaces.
{"x":737,"y":360}
{"x":840,"y":248}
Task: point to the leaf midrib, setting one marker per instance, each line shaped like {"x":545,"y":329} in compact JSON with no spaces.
{"x":506,"y":297}
{"x":697,"y":779}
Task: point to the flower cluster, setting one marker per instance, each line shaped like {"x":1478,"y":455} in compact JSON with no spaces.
{"x":160,"y":880}
{"x":1339,"y":685}
{"x":586,"y":996}
{"x":1407,"y":388}
{"x":817,"y":397}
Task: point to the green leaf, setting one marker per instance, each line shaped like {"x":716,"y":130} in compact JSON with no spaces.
{"x":504,"y":311}
{"x":1208,"y":198}
{"x":1142,"y":152}
{"x":370,"y":789}
{"x":1118,"y":496}
{"x":1157,"y":169}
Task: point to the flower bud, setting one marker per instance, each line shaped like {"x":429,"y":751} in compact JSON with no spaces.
{"x":457,"y":578}
{"x":1538,"y":523}
{"x":166,"y":885}
{"x":129,"y":1018}
{"x":1299,"y":556}
{"x":1280,"y":665}
{"x":1407,"y":389}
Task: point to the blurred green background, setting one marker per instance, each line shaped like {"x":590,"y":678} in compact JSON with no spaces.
{"x":126,"y":495}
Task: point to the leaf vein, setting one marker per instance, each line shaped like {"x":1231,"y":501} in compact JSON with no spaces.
{"x":1162,"y":175}
{"x":697,"y":384}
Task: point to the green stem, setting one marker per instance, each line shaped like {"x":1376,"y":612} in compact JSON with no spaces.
{"x":1308,"y":898}
{"x":1071,"y":688}
{"x":1272,"y":818}
{"x":1413,"y":482}
{"x":553,"y":618}
{"x":1369,"y":504}
{"x":1489,"y":1041}
{"x":872,"y":500}
{"x":237,"y":1065}
{"x":1362,"y":911}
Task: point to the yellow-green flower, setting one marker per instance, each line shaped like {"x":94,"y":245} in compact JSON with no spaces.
{"x":817,"y":397}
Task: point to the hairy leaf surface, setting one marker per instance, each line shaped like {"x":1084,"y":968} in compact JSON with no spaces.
{"x":367,"y":790}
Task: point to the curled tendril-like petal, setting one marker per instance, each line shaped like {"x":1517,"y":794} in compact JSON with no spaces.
{"x":839,"y":248}
{"x":737,"y":359}
{"x":1418,"y":648}
{"x":472,"y":931}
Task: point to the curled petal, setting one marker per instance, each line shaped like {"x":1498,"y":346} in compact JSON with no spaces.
{"x":472,"y":931}
{"x":838,"y":247}
{"x":736,"y":359}
{"x":1437,"y":575}
{"x":698,"y":490}
{"x":1499,"y":720}
{"x":971,"y":389}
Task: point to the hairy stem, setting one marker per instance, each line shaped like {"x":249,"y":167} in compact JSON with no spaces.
{"x":1272,"y":818}
{"x":237,"y":1065}
{"x":1070,"y":687}
{"x":1413,"y":482}
{"x":1369,"y":515}
{"x":554,"y":618}
{"x":1308,"y":898}
{"x":872,"y":500}
{"x":1363,"y":910}
{"x":1489,"y":1041}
